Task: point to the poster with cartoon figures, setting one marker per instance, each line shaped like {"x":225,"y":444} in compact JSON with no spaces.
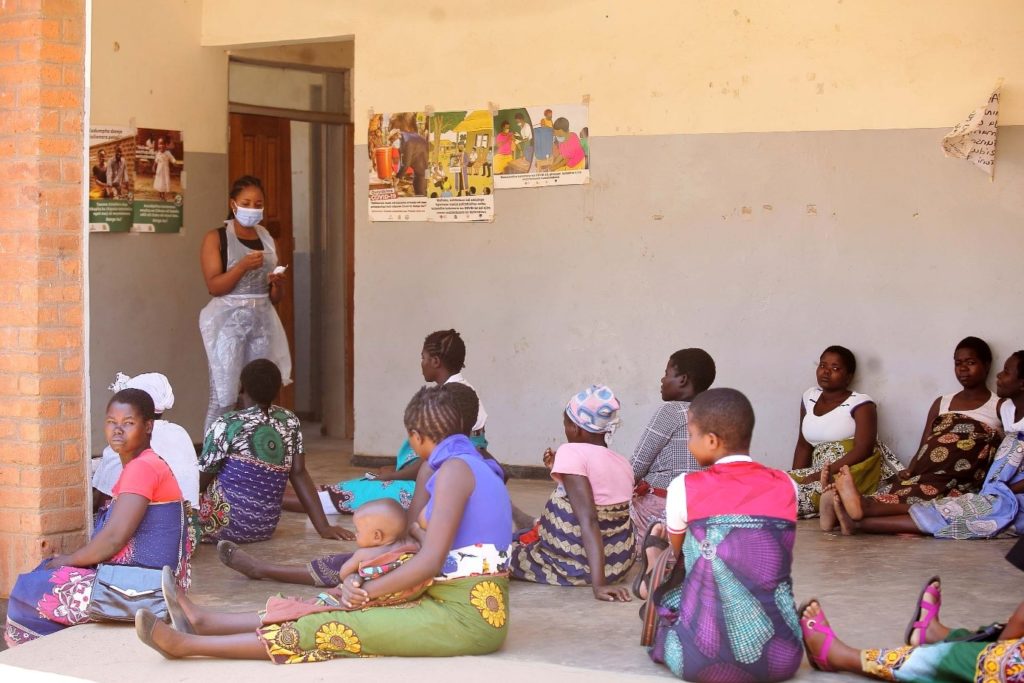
{"x":460,"y":185}
{"x":111,"y":175}
{"x":399,"y":160}
{"x":159,"y":183}
{"x":537,"y":146}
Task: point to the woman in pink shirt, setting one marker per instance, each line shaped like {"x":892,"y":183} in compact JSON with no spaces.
{"x":505,"y":143}
{"x":595,"y":485}
{"x":569,"y":152}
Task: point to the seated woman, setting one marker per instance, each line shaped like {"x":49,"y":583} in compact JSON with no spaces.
{"x":169,"y":440}
{"x":589,"y":509}
{"x":997,"y":507}
{"x":933,"y":651}
{"x":463,"y":506}
{"x":441,"y":361}
{"x":837,"y":427}
{"x":144,"y":526}
{"x":248,"y":457}
{"x":727,"y":612}
{"x":961,"y":434}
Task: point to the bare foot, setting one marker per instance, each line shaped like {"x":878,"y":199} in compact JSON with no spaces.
{"x":242,"y":562}
{"x":846,"y":524}
{"x":838,"y":656}
{"x":935,"y":631}
{"x":827,"y":510}
{"x":847,"y":490}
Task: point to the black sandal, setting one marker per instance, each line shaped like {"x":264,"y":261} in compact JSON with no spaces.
{"x":650,"y":541}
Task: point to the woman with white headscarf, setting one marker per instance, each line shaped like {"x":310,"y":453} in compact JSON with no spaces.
{"x":170,"y":441}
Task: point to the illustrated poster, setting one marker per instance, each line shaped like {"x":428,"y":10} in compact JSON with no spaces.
{"x":460,"y":185}
{"x":537,"y":146}
{"x":399,"y":154}
{"x":111,"y":178}
{"x":159,"y":183}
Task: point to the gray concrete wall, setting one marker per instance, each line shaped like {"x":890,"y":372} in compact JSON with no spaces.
{"x":761,"y":248}
{"x":146,"y":292}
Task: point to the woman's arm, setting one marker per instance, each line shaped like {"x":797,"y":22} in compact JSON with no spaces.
{"x":651,"y":443}
{"x":410,"y":472}
{"x":864,"y":437}
{"x":218,"y":281}
{"x":581,"y":497}
{"x":115,"y":534}
{"x":454,"y":485}
{"x":419,"y":494}
{"x":933,"y":413}
{"x":304,"y":489}
{"x":803,"y":450}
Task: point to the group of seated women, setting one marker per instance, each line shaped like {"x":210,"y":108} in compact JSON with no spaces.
{"x":444,"y":543}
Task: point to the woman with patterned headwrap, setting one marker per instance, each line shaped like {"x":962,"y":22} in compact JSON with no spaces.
{"x":584,"y":537}
{"x":248,"y":457}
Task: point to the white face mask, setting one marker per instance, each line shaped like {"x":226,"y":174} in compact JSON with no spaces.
{"x":247,"y":216}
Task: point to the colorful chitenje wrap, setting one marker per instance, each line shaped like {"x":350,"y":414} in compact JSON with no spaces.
{"x":952,"y":460}
{"x":45,"y":601}
{"x":991,"y":511}
{"x":948,"y":661}
{"x":251,"y":453}
{"x":867,"y":474}
{"x":558,"y":557}
{"x":464,"y":611}
{"x":347,"y":496}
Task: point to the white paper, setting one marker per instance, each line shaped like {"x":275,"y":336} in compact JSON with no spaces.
{"x":974,"y":138}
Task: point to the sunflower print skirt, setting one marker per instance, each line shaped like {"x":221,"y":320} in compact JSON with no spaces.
{"x":459,"y":617}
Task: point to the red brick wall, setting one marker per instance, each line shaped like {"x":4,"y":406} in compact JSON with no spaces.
{"x":42,"y":384}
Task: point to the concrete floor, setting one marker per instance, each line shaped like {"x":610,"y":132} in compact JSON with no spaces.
{"x":868,"y":586}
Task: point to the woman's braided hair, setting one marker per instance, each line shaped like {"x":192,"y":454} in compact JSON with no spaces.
{"x":449,"y":347}
{"x":433,"y":413}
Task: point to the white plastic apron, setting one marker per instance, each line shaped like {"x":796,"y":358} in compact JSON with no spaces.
{"x":242,"y":326}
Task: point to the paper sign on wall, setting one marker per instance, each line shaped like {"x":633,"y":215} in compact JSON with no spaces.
{"x":111,"y":178}
{"x":159,"y":180}
{"x":974,"y":138}
{"x":547,"y":145}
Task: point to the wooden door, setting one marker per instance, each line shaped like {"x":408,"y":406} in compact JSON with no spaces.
{"x":261,"y":146}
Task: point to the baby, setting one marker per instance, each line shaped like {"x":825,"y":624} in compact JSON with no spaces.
{"x":381,"y":530}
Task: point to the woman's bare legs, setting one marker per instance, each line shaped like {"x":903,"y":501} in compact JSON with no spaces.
{"x":841,"y":656}
{"x":244,"y":563}
{"x":936,"y":631}
{"x":857,"y":506}
{"x":1015,"y":626}
{"x":210,"y":622}
{"x":893,"y":524}
{"x":171,"y":643}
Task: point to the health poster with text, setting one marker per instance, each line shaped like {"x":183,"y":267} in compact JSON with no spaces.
{"x":538,"y":146}
{"x":111,"y":175}
{"x":159,"y":182}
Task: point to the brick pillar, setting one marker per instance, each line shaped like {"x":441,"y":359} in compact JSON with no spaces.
{"x":42,"y":384}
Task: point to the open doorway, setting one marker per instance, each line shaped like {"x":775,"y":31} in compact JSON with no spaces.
{"x":290,"y":125}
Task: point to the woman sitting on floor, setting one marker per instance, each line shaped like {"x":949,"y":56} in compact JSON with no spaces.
{"x":838,"y":427}
{"x":997,"y":507}
{"x":584,"y":537}
{"x":961,"y":434}
{"x":462,"y":504}
{"x":144,"y":526}
{"x":248,"y":457}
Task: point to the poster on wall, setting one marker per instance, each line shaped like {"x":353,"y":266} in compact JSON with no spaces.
{"x":399,"y":154}
{"x":111,"y":177}
{"x":460,"y":185}
{"x":545,"y":145}
{"x":159,"y":183}
{"x":974,"y":138}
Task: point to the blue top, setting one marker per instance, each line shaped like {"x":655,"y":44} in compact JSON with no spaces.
{"x":488,"y":514}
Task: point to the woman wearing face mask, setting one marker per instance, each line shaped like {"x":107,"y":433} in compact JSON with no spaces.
{"x":240,"y":324}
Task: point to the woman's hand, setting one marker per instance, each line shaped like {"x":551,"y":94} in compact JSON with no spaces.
{"x":549,"y":458}
{"x":611,"y":594}
{"x":58,"y":561}
{"x":352,"y":594}
{"x":336,"y":533}
{"x":251,"y":261}
{"x":274,"y":278}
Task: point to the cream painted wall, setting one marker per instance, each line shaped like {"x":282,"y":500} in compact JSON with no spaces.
{"x":148,"y":66}
{"x":668,"y":66}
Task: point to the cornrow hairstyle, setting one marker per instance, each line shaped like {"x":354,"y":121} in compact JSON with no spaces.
{"x":980,"y":348}
{"x":432,"y":413}
{"x":449,"y":347}
{"x":261,"y":380}
{"x":725,"y":412}
{"x":467,"y":403}
{"x":846,"y":355}
{"x":239,"y":185}
{"x":138,"y":399}
{"x":697,"y":364}
{"x":1019,"y":355}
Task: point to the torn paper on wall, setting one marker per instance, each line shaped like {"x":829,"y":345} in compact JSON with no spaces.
{"x":974,"y":138}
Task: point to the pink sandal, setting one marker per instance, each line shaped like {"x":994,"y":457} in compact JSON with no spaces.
{"x":931,"y":610}
{"x":815,"y":625}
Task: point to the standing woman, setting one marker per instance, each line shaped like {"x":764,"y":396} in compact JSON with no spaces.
{"x":240,"y":324}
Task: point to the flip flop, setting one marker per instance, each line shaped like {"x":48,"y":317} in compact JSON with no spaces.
{"x":814,"y":625}
{"x":145,"y":622}
{"x":931,"y":610}
{"x":179,"y":622}
{"x":649,"y":542}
